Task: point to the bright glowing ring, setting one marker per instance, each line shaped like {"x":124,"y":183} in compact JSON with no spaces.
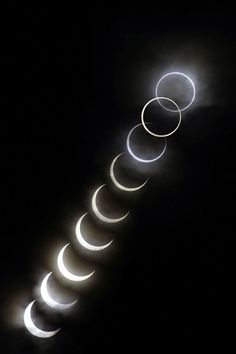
{"x":144,"y":124}
{"x":136,"y":157}
{"x":118,"y":184}
{"x":191,"y":82}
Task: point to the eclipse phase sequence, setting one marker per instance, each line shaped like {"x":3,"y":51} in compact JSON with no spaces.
{"x":46,"y":296}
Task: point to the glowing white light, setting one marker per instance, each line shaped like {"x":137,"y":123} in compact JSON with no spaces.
{"x":145,"y":126}
{"x":83,"y":242}
{"x":119,"y":185}
{"x":49,"y":300}
{"x":135,"y":156}
{"x":64,"y":271}
{"x":100,"y":215}
{"x":31,"y":326}
{"x":186,"y":77}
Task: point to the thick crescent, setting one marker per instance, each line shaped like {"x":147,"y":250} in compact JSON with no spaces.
{"x":83,"y":242}
{"x":118,"y":184}
{"x":30,"y":326}
{"x":99,"y":214}
{"x":65,"y":272}
{"x":49,"y":300}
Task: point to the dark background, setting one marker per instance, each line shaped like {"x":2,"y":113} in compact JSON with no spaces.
{"x":73,"y":82}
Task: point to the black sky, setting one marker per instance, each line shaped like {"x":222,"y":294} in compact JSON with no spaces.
{"x":73,"y":82}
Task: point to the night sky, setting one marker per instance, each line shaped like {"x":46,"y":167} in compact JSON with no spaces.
{"x":73,"y":82}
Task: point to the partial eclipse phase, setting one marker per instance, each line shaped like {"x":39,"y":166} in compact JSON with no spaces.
{"x":83,"y":242}
{"x":99,"y":215}
{"x":32,"y":328}
{"x":118,"y":184}
{"x":137,"y":157}
{"x":48,"y":298}
{"x":65,"y":272}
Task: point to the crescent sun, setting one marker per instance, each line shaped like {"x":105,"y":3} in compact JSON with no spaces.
{"x":30,"y":326}
{"x":135,"y":156}
{"x":119,"y":185}
{"x":99,"y":214}
{"x":65,"y":272}
{"x":49,"y":300}
{"x":83,"y":242}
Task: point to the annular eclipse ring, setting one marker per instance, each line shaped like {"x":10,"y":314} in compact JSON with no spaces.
{"x":186,"y":77}
{"x":135,"y":156}
{"x":145,"y":124}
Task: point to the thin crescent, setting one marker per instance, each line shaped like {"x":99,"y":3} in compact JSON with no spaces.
{"x":118,"y":184}
{"x":136,"y":157}
{"x":82,"y":241}
{"x":30,"y":326}
{"x":100,"y":215}
{"x":64,"y":271}
{"x":49,"y":300}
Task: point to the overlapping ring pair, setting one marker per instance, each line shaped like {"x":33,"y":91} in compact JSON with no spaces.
{"x":159,"y":99}
{"x":29,"y":324}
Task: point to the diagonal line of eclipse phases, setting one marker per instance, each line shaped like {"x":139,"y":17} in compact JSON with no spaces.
{"x":46,"y":296}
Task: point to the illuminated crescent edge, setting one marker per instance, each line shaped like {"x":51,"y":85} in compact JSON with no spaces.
{"x":30,"y":326}
{"x":119,"y":185}
{"x":64,"y":271}
{"x":138,"y":158}
{"x":100,"y":215}
{"x":49,"y":300}
{"x":84,"y":243}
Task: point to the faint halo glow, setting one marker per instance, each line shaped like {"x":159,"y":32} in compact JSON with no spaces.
{"x":118,"y":184}
{"x":98,"y":214}
{"x":183,"y":75}
{"x":135,"y":156}
{"x":49,"y":300}
{"x":83,"y":242}
{"x":30,"y":326}
{"x":64,"y":271}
